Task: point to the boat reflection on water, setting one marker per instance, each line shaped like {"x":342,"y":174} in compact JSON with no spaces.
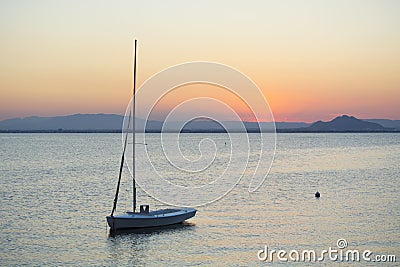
{"x":153,"y":230}
{"x":135,"y":247}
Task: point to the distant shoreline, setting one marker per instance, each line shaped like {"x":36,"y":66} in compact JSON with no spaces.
{"x":113,"y":123}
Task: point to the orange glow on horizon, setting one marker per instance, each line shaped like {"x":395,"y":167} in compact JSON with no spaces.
{"x":313,"y":61}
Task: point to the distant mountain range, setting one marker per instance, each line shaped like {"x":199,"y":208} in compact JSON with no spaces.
{"x":95,"y":122}
{"x":346,"y":124}
{"x":113,"y":123}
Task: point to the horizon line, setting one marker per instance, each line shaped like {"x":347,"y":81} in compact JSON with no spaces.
{"x":101,"y":113}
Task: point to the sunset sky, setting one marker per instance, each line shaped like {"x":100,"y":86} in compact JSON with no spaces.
{"x":312,"y":59}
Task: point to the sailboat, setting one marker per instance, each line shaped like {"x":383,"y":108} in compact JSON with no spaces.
{"x":143,"y":218}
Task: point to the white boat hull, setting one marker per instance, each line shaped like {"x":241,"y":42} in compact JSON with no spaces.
{"x":152,"y":219}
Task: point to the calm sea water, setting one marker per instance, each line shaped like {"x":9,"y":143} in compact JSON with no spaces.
{"x":56,"y":190}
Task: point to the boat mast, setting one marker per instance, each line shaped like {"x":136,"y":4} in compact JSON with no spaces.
{"x":134,"y":130}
